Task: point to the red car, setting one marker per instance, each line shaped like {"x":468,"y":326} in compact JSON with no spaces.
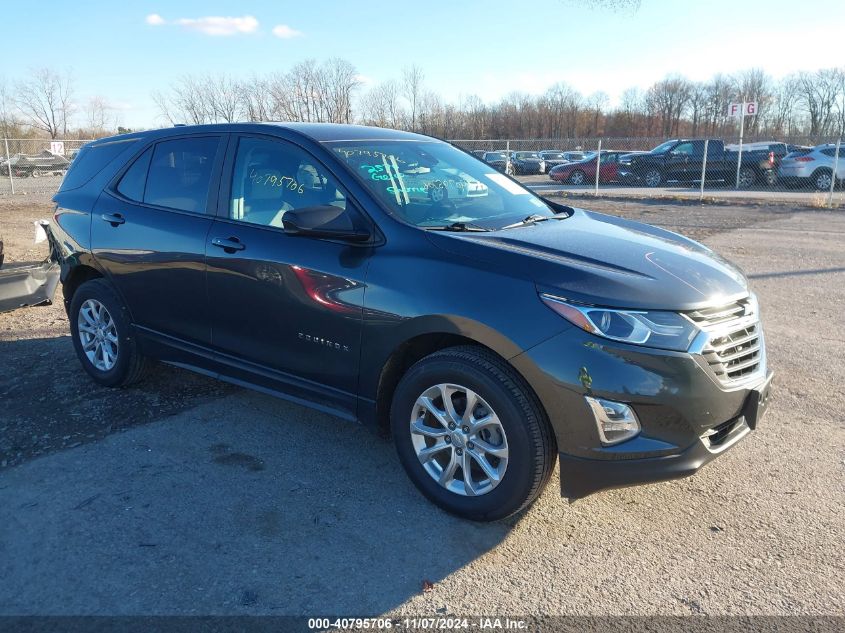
{"x":584,"y":172}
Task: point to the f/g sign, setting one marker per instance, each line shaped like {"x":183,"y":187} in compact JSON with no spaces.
{"x":749,"y":108}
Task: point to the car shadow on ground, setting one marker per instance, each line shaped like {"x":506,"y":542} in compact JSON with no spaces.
{"x":244,"y":504}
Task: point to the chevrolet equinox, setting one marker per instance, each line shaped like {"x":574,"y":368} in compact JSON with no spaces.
{"x":390,"y":278}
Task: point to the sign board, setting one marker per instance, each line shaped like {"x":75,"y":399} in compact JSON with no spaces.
{"x":57,"y":147}
{"x":749,"y":108}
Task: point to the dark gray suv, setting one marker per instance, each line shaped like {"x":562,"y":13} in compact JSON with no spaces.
{"x":391,"y":279}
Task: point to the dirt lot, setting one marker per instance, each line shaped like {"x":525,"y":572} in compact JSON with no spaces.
{"x":207,"y":500}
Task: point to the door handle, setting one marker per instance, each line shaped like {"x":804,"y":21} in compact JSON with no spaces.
{"x":228,"y":244}
{"x":113,"y":218}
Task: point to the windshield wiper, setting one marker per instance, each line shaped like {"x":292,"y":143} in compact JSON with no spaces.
{"x":531,"y":219}
{"x":458,"y":226}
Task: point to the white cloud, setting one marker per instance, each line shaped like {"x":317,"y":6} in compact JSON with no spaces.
{"x":211,"y":24}
{"x":285,"y":32}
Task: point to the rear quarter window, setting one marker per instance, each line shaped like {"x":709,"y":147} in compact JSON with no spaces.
{"x":91,"y":160}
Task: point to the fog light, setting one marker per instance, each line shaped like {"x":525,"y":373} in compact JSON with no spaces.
{"x":616,"y":422}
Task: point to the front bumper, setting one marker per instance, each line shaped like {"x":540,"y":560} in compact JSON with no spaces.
{"x":687,"y":415}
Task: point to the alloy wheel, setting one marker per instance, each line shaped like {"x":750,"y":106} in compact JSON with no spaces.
{"x":459,"y":439}
{"x":577,"y":178}
{"x":652,"y":178}
{"x":98,"y":335}
{"x":823,"y":181}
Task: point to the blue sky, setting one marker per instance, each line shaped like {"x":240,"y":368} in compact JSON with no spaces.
{"x":488,"y":48}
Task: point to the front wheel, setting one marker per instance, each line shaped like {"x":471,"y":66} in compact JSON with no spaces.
{"x":102,"y":335}
{"x":471,"y":434}
{"x":822,"y":179}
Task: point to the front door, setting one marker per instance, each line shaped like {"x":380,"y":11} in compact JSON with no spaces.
{"x":286,"y":307}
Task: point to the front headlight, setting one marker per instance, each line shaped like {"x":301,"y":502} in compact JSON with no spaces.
{"x":652,"y":328}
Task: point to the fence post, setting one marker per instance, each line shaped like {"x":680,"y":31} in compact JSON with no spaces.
{"x":703,"y":170}
{"x":741,"y":130}
{"x":835,"y":167}
{"x":598,"y":168}
{"x":507,"y":157}
{"x":9,"y":164}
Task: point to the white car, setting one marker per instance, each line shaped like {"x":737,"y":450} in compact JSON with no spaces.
{"x":438,"y":185}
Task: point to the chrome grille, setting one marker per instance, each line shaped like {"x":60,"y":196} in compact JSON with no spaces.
{"x":735,"y":347}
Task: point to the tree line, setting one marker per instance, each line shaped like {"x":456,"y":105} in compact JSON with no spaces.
{"x":805,"y":103}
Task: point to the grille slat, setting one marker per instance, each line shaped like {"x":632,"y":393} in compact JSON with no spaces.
{"x":735,"y":349}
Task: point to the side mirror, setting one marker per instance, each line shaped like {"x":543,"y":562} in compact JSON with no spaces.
{"x":324,"y":221}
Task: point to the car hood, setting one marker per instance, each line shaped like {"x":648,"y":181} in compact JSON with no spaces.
{"x":603,"y":260}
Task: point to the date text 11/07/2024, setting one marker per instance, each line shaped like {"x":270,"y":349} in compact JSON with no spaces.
{"x":420,"y":623}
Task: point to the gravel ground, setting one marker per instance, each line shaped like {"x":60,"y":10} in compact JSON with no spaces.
{"x":239,"y":503}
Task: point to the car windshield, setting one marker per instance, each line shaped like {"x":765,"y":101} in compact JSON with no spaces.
{"x":494,"y":156}
{"x":552,"y":155}
{"x":433,"y":184}
{"x":524,"y":155}
{"x":663,"y":147}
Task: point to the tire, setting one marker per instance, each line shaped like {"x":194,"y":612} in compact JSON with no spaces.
{"x":653,"y":178}
{"x":821,"y":179}
{"x":770,"y":177}
{"x":577,"y":177}
{"x":747,"y":178}
{"x":516,"y":429}
{"x":128,"y":364}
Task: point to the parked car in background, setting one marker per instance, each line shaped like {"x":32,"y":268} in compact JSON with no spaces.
{"x":584,"y":171}
{"x":553,"y":158}
{"x":489,"y":338}
{"x":478,"y":153}
{"x":528,"y":163}
{"x":813,"y":166}
{"x":499,"y":161}
{"x":768,"y":158}
{"x":681,"y":160}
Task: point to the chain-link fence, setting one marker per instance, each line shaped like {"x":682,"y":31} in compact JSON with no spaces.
{"x":806,"y":170}
{"x":35,"y":165}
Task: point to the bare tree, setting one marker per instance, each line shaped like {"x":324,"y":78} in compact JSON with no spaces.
{"x":667,"y":100}
{"x":46,"y":100}
{"x":99,"y":115}
{"x":412,"y":79}
{"x":818,"y":92}
{"x":256,"y":99}
{"x":381,"y":107}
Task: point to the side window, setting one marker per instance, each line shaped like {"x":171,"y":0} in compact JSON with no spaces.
{"x":180,"y":173}
{"x":132,"y":184}
{"x":683,"y":148}
{"x":272,"y":177}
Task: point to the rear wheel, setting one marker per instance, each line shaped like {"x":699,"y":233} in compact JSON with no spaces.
{"x":471,"y":435}
{"x":577,"y":177}
{"x":102,"y":335}
{"x":747,"y":177}
{"x":653,"y":178}
{"x":822,"y":179}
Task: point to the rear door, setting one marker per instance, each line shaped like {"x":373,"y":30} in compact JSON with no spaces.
{"x":288,"y":304}
{"x":149,"y":229}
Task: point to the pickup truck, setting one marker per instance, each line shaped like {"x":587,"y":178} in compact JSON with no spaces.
{"x":680,"y":160}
